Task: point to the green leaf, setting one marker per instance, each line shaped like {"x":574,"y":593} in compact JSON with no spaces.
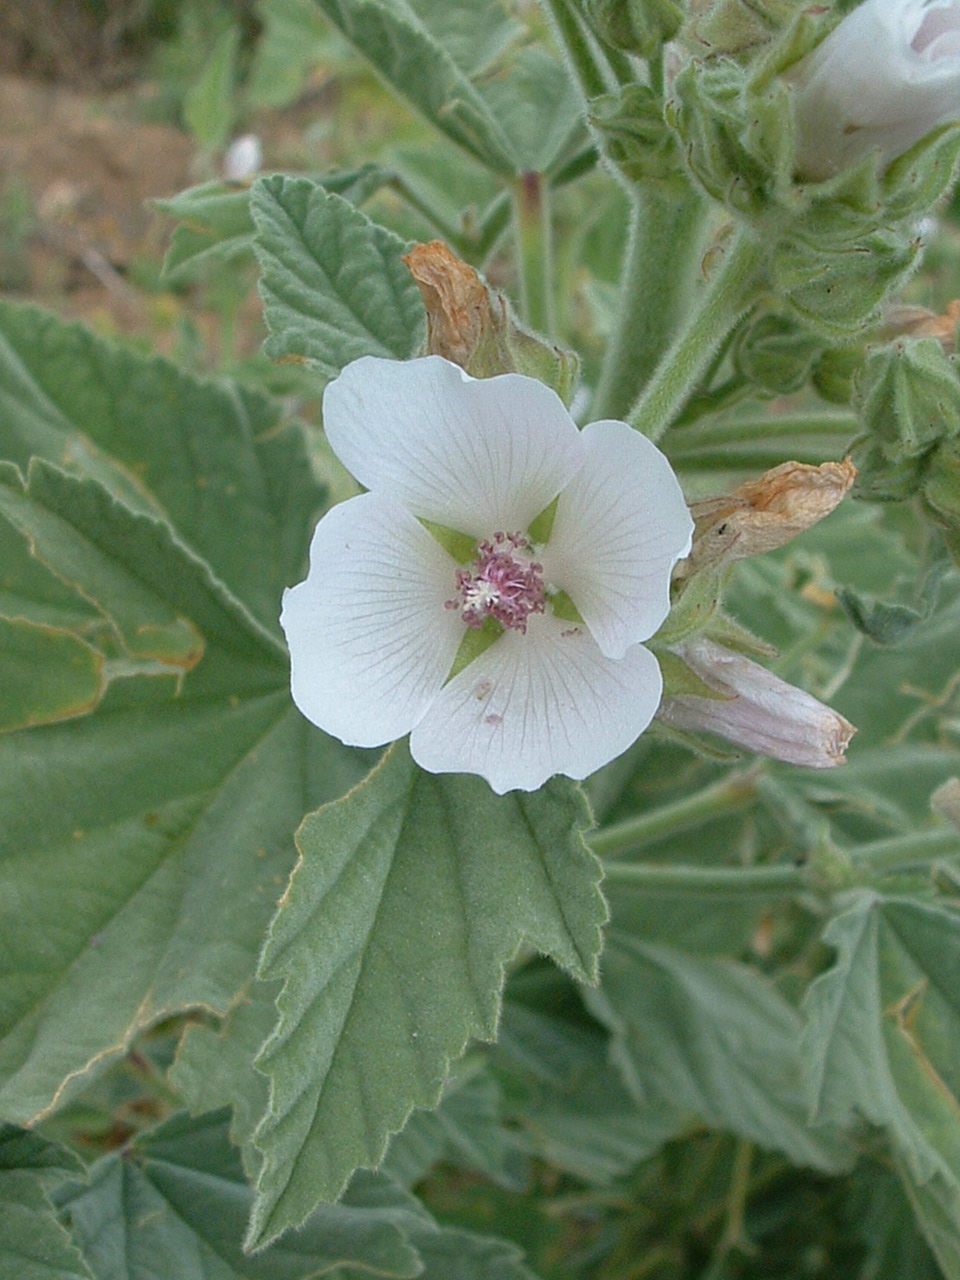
{"x":404,"y":39}
{"x":881,"y":1216}
{"x":376,"y":1005}
{"x":208,"y":107}
{"x":334,"y":286}
{"x":33,"y":1244}
{"x":215,"y":221}
{"x":713,"y":1038}
{"x":149,"y":840}
{"x":163,"y":602}
{"x":210,"y":457}
{"x":45,"y":674}
{"x":294,"y":40}
{"x":569,"y":1105}
{"x":464,"y":1129}
{"x":883,"y":1040}
{"x":174,"y":1204}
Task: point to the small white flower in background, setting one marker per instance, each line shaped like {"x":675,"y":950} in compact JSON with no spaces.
{"x":757,"y":710}
{"x":884,"y":78}
{"x":376,"y":627}
{"x":243,"y":158}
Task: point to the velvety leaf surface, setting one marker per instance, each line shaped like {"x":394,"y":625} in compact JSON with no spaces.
{"x":45,"y":674}
{"x":209,"y":456}
{"x":883,"y":1040}
{"x":33,"y":1244}
{"x":514,"y":109}
{"x":410,"y":897}
{"x":215,"y":222}
{"x":333,"y":285}
{"x":404,"y":39}
{"x":175,"y":1204}
{"x":714,"y":1038}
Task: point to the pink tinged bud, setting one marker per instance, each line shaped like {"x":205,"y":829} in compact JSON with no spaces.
{"x":883,"y":79}
{"x":757,"y":710}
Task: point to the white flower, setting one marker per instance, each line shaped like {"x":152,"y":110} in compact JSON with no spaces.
{"x":757,"y":710}
{"x":884,"y":78}
{"x":243,"y":158}
{"x":375,"y":628}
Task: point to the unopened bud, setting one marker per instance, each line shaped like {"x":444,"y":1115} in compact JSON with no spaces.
{"x":757,"y":710}
{"x":883,"y":79}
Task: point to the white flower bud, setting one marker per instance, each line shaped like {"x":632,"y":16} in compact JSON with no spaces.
{"x":884,"y":78}
{"x":243,"y":158}
{"x":757,"y":710}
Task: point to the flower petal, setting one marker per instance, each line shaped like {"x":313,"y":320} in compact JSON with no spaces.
{"x":370,"y":640}
{"x":538,"y":704}
{"x":621,"y":526}
{"x":479,"y":456}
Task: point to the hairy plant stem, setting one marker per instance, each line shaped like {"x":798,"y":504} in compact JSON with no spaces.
{"x":533,"y":235}
{"x":590,"y":71}
{"x":730,"y":295}
{"x":832,"y":870}
{"x":662,"y":260}
{"x":729,"y":795}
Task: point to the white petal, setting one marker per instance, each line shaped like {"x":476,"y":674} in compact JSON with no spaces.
{"x":621,"y":526}
{"x":482,"y":456}
{"x":370,"y":640}
{"x":538,"y":704}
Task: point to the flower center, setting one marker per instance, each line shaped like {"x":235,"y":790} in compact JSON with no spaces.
{"x":503,"y":583}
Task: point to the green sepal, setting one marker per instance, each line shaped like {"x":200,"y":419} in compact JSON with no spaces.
{"x":461,"y":546}
{"x":879,"y":479}
{"x":694,"y":605}
{"x":541,"y":526}
{"x":476,"y":640}
{"x":679,"y":679}
{"x":908,"y":397}
{"x":776,"y":354}
{"x":636,"y":26}
{"x":635,"y":136}
{"x":564,"y":608}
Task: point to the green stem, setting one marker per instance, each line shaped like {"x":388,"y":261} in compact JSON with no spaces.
{"x":730,"y":295}
{"x":763,"y":429}
{"x":583,"y":57}
{"x":905,"y":851}
{"x":533,"y":232}
{"x":662,"y":260}
{"x":785,"y":881}
{"x":855,"y":866}
{"x":750,"y":457}
{"x":729,"y":795}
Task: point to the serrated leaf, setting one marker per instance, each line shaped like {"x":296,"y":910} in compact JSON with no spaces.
{"x":33,"y":1244}
{"x":210,"y":457}
{"x":175,"y":1203}
{"x":397,"y":37}
{"x":215,"y":221}
{"x":713,"y":1038}
{"x":334,"y":286}
{"x":375,"y":1005}
{"x":214,"y":1068}
{"x":569,"y":1104}
{"x":464,"y":1129}
{"x":883,"y":1030}
{"x":163,"y":601}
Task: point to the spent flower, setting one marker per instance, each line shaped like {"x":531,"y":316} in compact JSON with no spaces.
{"x":490,"y":593}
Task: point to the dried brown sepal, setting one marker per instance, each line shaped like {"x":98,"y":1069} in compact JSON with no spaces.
{"x":763,"y":514}
{"x":901,"y":321}
{"x":460,"y":307}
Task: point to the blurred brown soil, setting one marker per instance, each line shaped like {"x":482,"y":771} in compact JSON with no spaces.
{"x":75,"y":175}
